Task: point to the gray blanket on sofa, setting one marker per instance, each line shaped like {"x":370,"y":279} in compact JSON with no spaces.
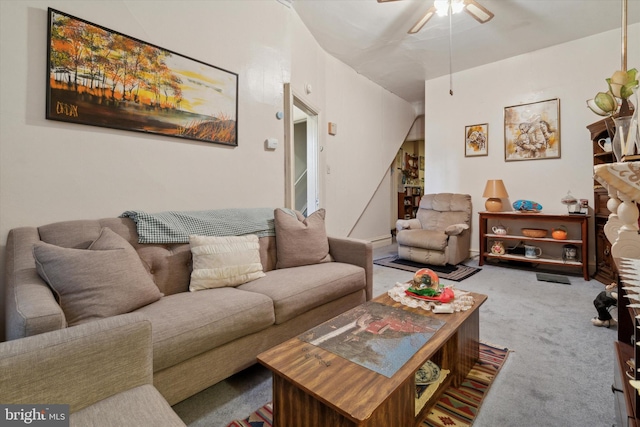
{"x":175,"y":227}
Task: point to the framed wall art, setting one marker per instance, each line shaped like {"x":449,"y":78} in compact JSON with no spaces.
{"x":532,"y":131}
{"x":99,"y":77}
{"x":476,"y":140}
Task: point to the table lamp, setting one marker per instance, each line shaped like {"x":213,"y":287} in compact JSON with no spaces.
{"x":495,"y":191}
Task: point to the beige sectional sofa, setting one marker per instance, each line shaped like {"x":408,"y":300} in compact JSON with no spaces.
{"x":199,"y":338}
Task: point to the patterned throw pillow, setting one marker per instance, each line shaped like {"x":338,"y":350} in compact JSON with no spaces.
{"x":104,"y":280}
{"x":224,"y":261}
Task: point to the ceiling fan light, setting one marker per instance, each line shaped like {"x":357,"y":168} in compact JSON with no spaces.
{"x":442,"y":6}
{"x":457,"y":6}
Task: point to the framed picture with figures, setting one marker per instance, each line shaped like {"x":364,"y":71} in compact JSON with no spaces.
{"x":532,"y":131}
{"x":476,"y":140}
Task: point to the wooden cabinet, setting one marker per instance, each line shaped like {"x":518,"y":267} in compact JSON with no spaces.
{"x":409,"y":201}
{"x":605,"y":267}
{"x":552,"y":249}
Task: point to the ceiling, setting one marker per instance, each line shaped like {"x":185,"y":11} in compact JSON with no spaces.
{"x":372,"y":37}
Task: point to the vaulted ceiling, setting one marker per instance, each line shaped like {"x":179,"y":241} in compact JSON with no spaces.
{"x":372,"y":37}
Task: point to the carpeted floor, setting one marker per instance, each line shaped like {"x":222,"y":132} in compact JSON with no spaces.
{"x":456,"y":273}
{"x":457,"y":407}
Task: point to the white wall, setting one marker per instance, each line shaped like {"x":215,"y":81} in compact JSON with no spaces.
{"x":572,"y":72}
{"x":52,"y":171}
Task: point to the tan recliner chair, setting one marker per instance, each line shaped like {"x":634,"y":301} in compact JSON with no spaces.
{"x":441,"y":232}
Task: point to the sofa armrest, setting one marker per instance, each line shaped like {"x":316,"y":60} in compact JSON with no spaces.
{"x":357,"y":252}
{"x":408,"y":224}
{"x":80,"y":365}
{"x":31,"y":307}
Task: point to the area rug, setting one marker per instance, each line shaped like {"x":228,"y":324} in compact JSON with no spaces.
{"x":457,"y":407}
{"x":456,"y":273}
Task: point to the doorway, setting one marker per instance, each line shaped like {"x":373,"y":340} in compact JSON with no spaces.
{"x":301,"y":162}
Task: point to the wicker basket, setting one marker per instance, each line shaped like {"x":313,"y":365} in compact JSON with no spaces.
{"x":534,"y":232}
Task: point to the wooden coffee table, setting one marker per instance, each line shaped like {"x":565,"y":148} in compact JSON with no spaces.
{"x":315,"y":388}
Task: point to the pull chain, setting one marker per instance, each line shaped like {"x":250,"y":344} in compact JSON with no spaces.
{"x":450,"y":43}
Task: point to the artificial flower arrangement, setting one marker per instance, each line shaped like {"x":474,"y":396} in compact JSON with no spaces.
{"x":621,"y":86}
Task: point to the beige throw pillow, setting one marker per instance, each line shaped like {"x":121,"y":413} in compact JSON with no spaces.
{"x":224,"y":261}
{"x":104,"y":280}
{"x":299,"y":240}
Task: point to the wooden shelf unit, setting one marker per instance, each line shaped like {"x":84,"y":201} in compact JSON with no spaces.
{"x":605,"y":271}
{"x":517,"y":220}
{"x":409,"y":201}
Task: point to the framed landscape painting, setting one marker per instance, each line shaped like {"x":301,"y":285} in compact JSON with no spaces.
{"x":532,"y":131}
{"x":99,"y":77}
{"x":476,"y":140}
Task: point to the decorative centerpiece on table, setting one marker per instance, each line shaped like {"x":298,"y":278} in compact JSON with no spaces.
{"x":616,"y":104}
{"x":425,"y":291}
{"x":426,"y":286}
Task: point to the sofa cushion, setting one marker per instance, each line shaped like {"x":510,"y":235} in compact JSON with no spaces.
{"x":224,"y":261}
{"x":297,"y":290}
{"x":300,"y":240}
{"x":190,"y":323}
{"x":104,"y":280}
{"x":426,"y":239}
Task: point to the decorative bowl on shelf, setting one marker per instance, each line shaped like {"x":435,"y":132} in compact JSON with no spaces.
{"x":428,"y":373}
{"x":534,"y":232}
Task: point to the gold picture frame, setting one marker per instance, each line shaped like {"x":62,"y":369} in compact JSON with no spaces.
{"x":476,"y":140}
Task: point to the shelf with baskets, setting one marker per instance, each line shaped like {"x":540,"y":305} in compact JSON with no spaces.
{"x":556,"y":247}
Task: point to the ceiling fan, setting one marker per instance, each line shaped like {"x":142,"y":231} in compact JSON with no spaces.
{"x":442,"y":7}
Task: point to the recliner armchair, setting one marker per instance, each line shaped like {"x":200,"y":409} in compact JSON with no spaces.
{"x":441,"y":232}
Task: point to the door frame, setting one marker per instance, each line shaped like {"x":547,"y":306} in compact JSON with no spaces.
{"x":291,"y":98}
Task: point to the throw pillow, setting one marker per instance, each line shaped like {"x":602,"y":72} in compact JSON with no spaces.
{"x":224,"y":261}
{"x":299,"y":240}
{"x":104,"y":280}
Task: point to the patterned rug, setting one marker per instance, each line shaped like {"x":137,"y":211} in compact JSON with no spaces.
{"x":456,"y":273}
{"x":457,"y":407}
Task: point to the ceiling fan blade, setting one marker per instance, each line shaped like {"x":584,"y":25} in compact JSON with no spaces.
{"x":418,"y":25}
{"x":477,"y":11}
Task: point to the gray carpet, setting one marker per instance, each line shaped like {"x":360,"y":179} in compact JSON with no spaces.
{"x":558,"y":374}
